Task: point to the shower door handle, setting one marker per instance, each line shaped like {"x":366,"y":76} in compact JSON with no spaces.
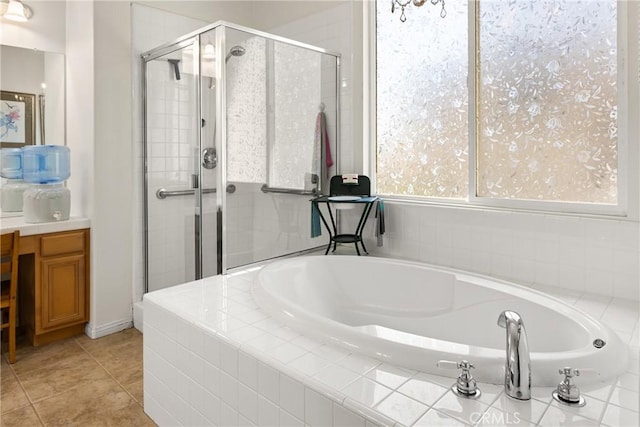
{"x":194,"y":180}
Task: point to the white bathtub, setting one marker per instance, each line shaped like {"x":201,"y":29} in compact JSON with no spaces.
{"x":413,"y":315}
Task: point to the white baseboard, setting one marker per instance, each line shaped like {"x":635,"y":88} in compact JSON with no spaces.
{"x":138,"y":315}
{"x":97,"y":331}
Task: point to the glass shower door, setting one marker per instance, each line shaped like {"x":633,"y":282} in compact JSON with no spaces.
{"x":172,"y":179}
{"x":281,"y":122}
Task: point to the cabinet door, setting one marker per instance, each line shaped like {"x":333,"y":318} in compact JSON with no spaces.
{"x":63,"y":291}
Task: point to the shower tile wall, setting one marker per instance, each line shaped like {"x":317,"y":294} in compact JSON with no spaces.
{"x":173,"y":217}
{"x":598,"y":256}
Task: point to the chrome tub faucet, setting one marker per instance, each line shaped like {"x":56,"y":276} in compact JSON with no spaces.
{"x":517,"y":376}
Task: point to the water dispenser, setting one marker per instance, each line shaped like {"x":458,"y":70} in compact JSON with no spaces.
{"x":46,"y":167}
{"x":44,"y":164}
{"x":14,"y":186}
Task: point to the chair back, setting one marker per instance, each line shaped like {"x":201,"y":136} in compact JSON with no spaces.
{"x":8,"y":291}
{"x":9,"y":255}
{"x":338,"y":188}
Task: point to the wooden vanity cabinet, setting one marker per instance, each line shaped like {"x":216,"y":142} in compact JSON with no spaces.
{"x":54,"y":285}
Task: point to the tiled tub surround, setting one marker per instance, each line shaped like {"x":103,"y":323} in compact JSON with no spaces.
{"x":569,"y":252}
{"x":213,"y":357}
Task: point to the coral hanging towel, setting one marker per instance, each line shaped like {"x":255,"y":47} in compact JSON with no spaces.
{"x":322,"y":139}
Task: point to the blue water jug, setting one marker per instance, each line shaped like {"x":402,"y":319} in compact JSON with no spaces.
{"x":43,"y":164}
{"x":11,"y":159}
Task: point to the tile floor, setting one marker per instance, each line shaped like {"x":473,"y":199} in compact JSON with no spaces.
{"x":75,"y":382}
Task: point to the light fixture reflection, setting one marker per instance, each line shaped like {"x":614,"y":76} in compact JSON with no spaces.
{"x":209,"y":51}
{"x":17,"y":11}
{"x":402,"y":4}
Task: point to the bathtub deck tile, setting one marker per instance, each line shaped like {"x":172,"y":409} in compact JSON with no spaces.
{"x":491,"y":392}
{"x":629,"y":381}
{"x":460,"y":408}
{"x":402,"y":408}
{"x":309,"y":364}
{"x":228,"y":324}
{"x":285,"y":333}
{"x":307,"y":343}
{"x":254,"y":316}
{"x":616,"y":416}
{"x":625,"y":399}
{"x":366,"y":391}
{"x":244,"y":334}
{"x":331,"y":352}
{"x":555,"y":417}
{"x":433,"y":418}
{"x":286,"y":352}
{"x":542,"y":394}
{"x":336,"y":376}
{"x":594,"y":409}
{"x":390,"y":375}
{"x":359,"y":364}
{"x":496,"y":417}
{"x":529,"y":410}
{"x":265,"y":342}
{"x":423,"y":390}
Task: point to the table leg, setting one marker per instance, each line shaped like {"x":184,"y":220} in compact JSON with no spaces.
{"x":326,"y":225}
{"x":360,"y":229}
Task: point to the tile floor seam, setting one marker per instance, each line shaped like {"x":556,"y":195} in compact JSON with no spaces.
{"x":34,"y":402}
{"x":109,"y":373}
{"x":15,"y":377}
{"x":22,"y":408}
{"x":31,"y":402}
{"x":19,"y":381}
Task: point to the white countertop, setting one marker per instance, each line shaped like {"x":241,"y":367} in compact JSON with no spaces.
{"x":10,"y":224}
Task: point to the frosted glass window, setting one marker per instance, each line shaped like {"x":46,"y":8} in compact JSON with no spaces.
{"x":422,"y":102}
{"x":547,"y":100}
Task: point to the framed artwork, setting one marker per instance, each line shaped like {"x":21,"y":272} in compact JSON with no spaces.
{"x":17,"y":119}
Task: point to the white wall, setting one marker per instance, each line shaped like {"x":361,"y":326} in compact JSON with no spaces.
{"x":55,"y":95}
{"x":111,"y":201}
{"x":44,"y":31}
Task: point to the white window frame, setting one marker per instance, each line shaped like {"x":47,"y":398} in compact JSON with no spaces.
{"x":628,"y":130}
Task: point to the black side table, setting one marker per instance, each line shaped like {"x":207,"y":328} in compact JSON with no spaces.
{"x":356,"y":237}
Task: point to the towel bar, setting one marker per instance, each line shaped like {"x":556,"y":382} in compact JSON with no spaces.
{"x":163,"y":193}
{"x":266,"y":189}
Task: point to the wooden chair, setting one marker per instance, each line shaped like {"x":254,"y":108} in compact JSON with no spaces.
{"x":9,"y":290}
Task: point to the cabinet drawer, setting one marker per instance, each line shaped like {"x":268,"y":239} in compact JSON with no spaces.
{"x":59,"y":244}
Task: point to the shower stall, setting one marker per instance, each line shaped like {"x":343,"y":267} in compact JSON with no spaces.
{"x":239,"y":130}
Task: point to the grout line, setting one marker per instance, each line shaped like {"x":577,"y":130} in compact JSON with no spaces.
{"x":544,"y":413}
{"x":109,"y":373}
{"x":19,"y":381}
{"x":36,"y":401}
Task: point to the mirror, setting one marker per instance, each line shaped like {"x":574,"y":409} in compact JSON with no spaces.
{"x":32,"y":100}
{"x":32,"y":93}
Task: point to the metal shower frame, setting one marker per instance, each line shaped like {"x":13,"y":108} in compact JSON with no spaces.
{"x":194,"y":38}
